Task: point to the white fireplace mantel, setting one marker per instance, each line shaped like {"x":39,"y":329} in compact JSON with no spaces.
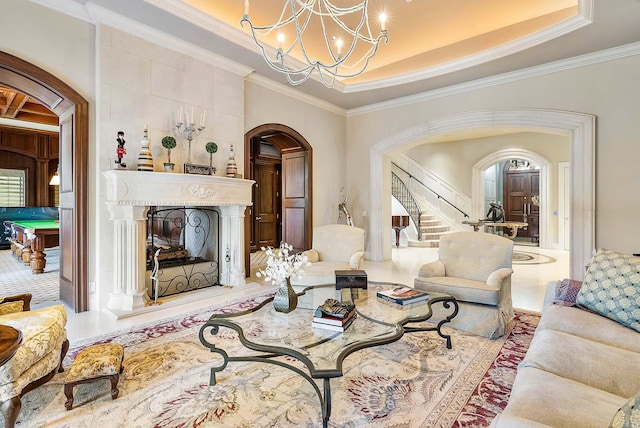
{"x":129,"y":195}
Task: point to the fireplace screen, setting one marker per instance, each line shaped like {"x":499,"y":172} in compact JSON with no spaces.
{"x":184,"y":244}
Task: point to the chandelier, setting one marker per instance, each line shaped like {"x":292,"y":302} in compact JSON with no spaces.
{"x":347,"y":49}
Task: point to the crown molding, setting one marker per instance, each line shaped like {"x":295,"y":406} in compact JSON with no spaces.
{"x":94,"y":14}
{"x":619,"y":52}
{"x":207,"y":22}
{"x":294,"y":93}
{"x":584,"y":18}
{"x":67,"y":7}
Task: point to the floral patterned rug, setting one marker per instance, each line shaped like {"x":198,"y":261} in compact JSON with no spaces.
{"x":415,"y":382}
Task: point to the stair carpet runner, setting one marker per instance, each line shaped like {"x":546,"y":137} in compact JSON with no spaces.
{"x":431,"y":229}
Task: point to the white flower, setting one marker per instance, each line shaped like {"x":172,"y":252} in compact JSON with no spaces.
{"x":282,"y":265}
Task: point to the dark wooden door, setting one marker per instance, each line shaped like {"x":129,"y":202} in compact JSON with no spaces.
{"x":67,"y":208}
{"x":266,"y":212}
{"x":519,"y":187}
{"x":295,"y":200}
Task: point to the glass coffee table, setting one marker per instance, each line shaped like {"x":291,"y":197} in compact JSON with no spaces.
{"x":272,"y":334}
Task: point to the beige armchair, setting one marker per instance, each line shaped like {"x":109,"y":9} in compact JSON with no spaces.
{"x":475,"y":268}
{"x":335,"y":247}
{"x":44,"y":345}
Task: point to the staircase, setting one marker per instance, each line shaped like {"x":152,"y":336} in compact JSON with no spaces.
{"x":431,"y":230}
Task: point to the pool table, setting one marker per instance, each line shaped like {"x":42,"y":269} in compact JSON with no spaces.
{"x":29,"y":238}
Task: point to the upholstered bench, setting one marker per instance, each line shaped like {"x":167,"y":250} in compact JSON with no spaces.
{"x":93,"y":363}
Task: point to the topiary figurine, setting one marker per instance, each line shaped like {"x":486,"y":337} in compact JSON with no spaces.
{"x":211,"y":147}
{"x":169,"y":143}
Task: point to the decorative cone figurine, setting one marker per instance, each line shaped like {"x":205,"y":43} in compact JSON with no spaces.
{"x":232,"y":168}
{"x":145,"y":160}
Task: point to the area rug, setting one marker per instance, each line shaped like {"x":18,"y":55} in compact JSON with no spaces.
{"x":415,"y":382}
{"x":529,"y":258}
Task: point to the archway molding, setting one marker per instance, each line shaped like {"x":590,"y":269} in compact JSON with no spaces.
{"x":477,"y":184}
{"x":269,"y":129}
{"x":73,"y":111}
{"x":580,"y":128}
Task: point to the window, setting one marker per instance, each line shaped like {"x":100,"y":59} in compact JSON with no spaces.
{"x":12,"y":187}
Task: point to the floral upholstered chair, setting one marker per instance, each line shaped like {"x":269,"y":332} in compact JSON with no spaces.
{"x":475,"y":268}
{"x":44,"y":345}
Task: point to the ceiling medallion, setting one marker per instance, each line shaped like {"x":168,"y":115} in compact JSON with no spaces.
{"x":332,"y":61}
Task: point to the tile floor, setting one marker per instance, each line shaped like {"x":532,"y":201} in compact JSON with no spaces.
{"x":528,"y":287}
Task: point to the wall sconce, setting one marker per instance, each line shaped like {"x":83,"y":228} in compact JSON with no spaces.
{"x":55,"y":180}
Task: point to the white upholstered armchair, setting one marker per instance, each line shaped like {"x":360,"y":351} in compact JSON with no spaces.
{"x":335,"y":247}
{"x":475,"y":268}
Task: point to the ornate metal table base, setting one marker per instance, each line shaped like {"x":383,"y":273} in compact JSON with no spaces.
{"x":269,"y":352}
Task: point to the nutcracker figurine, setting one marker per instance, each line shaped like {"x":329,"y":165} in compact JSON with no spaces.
{"x":120,"y":151}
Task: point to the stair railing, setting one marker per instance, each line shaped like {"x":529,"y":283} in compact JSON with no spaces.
{"x":401,"y":192}
{"x":411,"y":177}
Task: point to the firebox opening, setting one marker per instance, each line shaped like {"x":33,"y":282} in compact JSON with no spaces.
{"x":183,"y":243}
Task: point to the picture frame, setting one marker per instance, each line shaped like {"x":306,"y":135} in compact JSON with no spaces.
{"x":190,"y":168}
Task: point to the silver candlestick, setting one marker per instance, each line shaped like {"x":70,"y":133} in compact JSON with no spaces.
{"x":189,"y":130}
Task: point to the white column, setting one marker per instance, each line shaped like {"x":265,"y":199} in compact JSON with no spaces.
{"x":129,"y":290}
{"x":232,"y":245}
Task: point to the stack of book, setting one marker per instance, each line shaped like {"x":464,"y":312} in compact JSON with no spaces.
{"x":403,"y":295}
{"x":338,"y":321}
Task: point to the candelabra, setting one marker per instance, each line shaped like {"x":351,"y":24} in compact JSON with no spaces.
{"x":189,"y":130}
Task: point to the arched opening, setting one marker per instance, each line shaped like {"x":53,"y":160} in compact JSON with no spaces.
{"x":578,"y":126}
{"x":477,"y":195}
{"x":73,"y":112}
{"x":279,"y":159}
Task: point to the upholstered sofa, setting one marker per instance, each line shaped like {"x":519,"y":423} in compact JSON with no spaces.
{"x":582,"y":368}
{"x":334,"y":247}
{"x":44,"y":345}
{"x":475,"y":268}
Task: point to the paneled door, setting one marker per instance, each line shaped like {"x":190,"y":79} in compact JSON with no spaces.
{"x":520,"y":187}
{"x":266,"y":211}
{"x":295,"y":200}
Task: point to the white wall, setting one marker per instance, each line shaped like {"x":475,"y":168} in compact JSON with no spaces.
{"x":144,"y":84}
{"x":324,"y":130}
{"x":453,"y":161}
{"x":65,"y":47}
{"x":608,"y":90}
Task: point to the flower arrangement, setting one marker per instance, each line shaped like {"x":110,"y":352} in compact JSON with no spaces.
{"x":282,"y":264}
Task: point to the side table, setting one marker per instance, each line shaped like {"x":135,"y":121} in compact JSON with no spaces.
{"x":10,"y":340}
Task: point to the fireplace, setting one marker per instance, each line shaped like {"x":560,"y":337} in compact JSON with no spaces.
{"x":130,"y":198}
{"x":181,"y":250}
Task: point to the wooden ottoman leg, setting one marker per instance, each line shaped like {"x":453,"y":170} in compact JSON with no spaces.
{"x":63,"y":353}
{"x":10,"y":410}
{"x":68,"y":392}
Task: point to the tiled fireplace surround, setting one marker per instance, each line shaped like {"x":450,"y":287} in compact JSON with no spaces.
{"x":129,"y":196}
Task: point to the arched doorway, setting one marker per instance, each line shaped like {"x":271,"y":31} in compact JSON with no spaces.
{"x":477,"y":185}
{"x":578,"y":127}
{"x":282,"y":158}
{"x":73,"y":112}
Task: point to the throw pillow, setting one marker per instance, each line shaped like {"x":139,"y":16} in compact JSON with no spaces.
{"x":628,"y":415}
{"x":11,"y":307}
{"x":567,"y":292}
{"x":612,"y":288}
